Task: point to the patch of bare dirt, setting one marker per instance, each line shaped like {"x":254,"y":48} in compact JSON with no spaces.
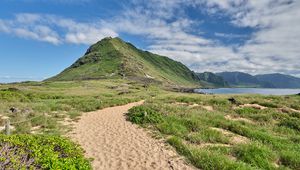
{"x":208,"y":108}
{"x":35,"y":129}
{"x":233,"y":118}
{"x":288,"y":110}
{"x":255,"y":106}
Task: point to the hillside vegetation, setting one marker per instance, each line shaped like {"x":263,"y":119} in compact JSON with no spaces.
{"x":114,"y":58}
{"x":213,"y":79}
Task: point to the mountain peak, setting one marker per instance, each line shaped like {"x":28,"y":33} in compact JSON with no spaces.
{"x":115,"y":58}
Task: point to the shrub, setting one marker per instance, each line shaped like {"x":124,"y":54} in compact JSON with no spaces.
{"x":144,"y":114}
{"x":41,"y":152}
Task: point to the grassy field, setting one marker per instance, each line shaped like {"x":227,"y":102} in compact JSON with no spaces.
{"x":41,"y":112}
{"x":251,"y":132}
{"x":49,"y":104}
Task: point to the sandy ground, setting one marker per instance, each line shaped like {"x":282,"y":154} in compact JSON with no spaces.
{"x":117,"y":144}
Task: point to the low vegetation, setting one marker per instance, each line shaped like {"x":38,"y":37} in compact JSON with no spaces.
{"x":40,"y":152}
{"x":253,"y":132}
{"x":40,"y":112}
{"x":46,"y":106}
{"x":212,"y":132}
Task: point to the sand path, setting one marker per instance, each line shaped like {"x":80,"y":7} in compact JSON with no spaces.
{"x":117,"y":144}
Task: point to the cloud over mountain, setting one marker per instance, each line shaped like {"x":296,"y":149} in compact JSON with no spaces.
{"x":170,"y":28}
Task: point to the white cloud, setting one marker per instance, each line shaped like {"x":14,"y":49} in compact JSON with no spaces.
{"x":230,"y":36}
{"x":273,"y":47}
{"x":44,"y":28}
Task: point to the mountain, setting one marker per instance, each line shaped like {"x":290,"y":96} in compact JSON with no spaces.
{"x":239,"y":79}
{"x":213,"y":79}
{"x":114,"y":58}
{"x":280,"y":80}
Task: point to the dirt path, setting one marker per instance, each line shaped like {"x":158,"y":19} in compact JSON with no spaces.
{"x":117,"y":144}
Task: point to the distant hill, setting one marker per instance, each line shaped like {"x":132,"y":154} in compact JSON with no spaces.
{"x":239,"y":79}
{"x":114,"y":58}
{"x":280,"y":80}
{"x":212,"y":78}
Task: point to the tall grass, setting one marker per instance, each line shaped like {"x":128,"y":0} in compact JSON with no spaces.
{"x":268,"y":140}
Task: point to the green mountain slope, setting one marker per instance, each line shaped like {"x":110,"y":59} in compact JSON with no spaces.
{"x":114,"y":58}
{"x":213,"y":79}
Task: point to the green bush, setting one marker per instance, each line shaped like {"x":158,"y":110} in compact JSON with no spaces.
{"x":144,"y":114}
{"x":41,"y":152}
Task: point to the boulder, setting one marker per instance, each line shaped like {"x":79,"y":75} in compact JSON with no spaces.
{"x":14,"y":110}
{"x":232,"y":100}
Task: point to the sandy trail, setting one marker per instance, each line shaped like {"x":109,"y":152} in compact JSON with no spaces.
{"x":117,"y":144}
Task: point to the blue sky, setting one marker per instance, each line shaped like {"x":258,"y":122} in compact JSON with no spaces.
{"x":39,"y":38}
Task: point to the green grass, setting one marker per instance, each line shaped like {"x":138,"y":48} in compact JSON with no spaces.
{"x":43,"y":105}
{"x":46,"y":103}
{"x":256,"y":154}
{"x":271,"y":137}
{"x":207,"y":136}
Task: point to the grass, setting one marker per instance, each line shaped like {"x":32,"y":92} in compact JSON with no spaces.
{"x":268,"y":140}
{"x":46,"y":103}
{"x":209,"y":139}
{"x":41,"y":108}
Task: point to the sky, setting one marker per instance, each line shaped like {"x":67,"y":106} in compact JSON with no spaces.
{"x":40,"y":38}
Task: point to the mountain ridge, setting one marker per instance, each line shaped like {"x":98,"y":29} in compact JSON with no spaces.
{"x":114,"y":58}
{"x":213,"y":79}
{"x":273,"y":80}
